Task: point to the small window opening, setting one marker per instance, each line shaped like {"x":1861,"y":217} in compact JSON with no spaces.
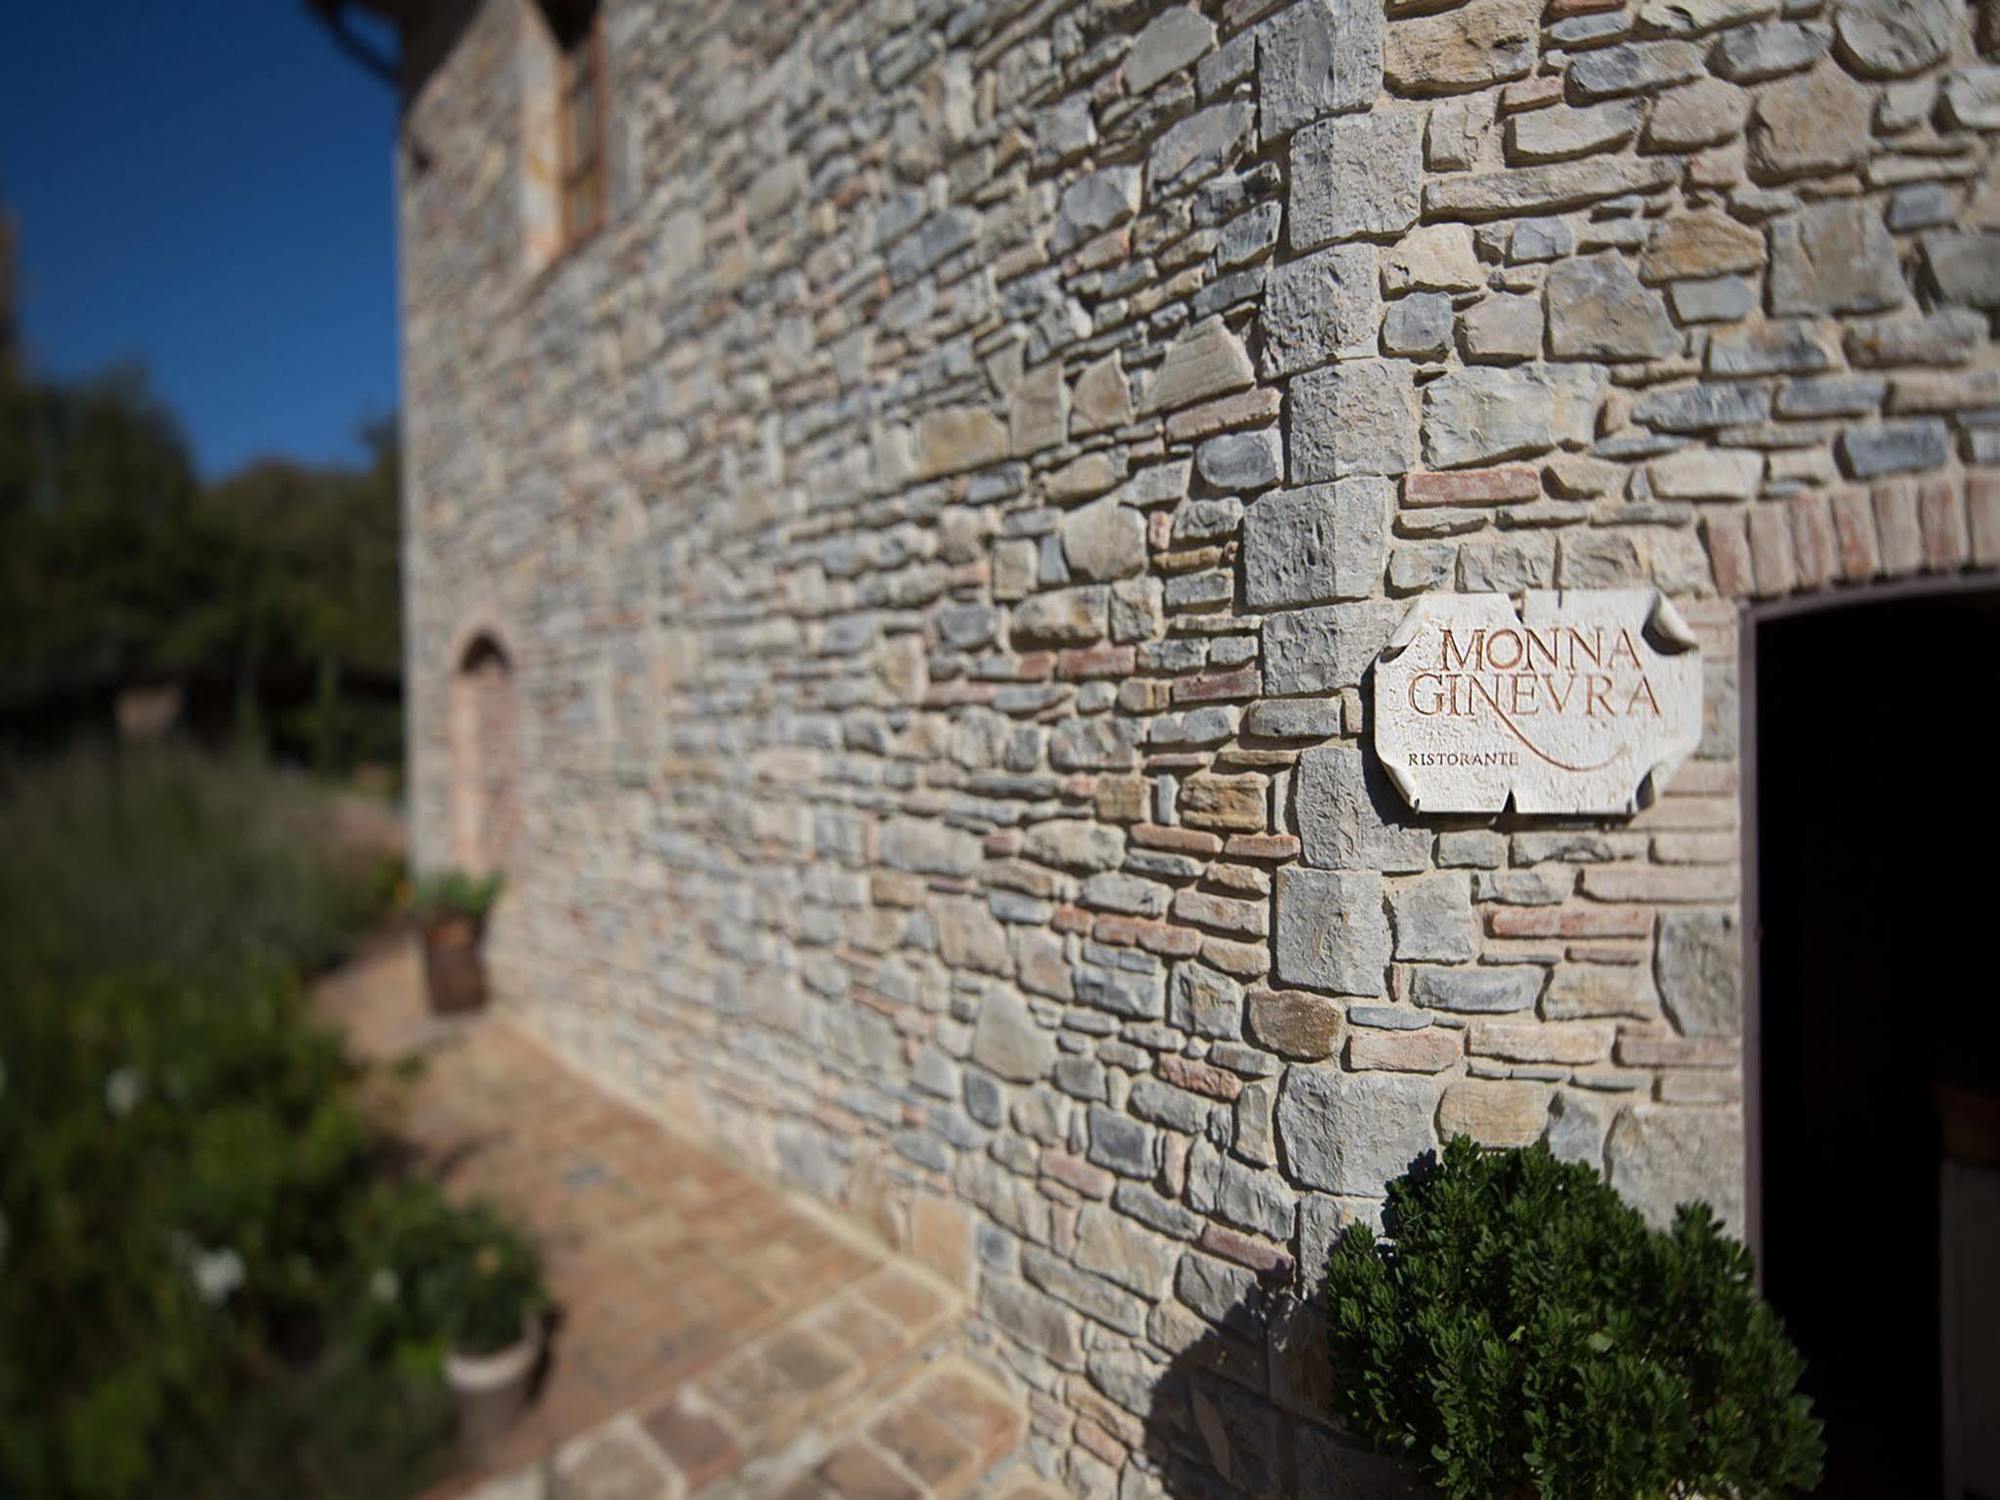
{"x":579,"y":35}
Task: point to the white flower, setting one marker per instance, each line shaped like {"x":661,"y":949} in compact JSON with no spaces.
{"x":216,"y":1273}
{"x":383,"y":1285}
{"x":123,"y":1090}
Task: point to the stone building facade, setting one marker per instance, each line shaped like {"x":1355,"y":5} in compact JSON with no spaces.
{"x":927,"y":547}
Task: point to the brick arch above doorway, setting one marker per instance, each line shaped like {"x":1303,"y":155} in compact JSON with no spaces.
{"x":1821,"y":539}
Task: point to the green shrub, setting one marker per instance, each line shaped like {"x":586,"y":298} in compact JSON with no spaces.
{"x":176,"y":1160}
{"x":191,"y":1202}
{"x":1523,"y":1331}
{"x":454,"y":893}
{"x":162,"y":855}
{"x":443,"y":1277}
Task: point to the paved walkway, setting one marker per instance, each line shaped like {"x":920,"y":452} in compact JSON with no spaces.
{"x":718,"y":1337}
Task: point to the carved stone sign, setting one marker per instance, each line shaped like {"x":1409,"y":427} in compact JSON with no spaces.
{"x":1582,"y":702}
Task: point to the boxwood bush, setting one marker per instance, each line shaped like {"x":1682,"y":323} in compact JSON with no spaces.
{"x":1521,"y":1330}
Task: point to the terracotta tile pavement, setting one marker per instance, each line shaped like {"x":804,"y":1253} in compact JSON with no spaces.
{"x":717,"y":1336}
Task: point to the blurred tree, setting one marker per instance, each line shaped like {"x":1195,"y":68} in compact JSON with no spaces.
{"x":7,"y":335}
{"x":96,"y":498}
{"x":304,"y":574}
{"x":118,"y":566}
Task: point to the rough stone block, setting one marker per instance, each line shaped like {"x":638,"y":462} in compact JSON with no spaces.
{"x":1633,"y":68}
{"x":1964,"y":266}
{"x":1169,"y":42}
{"x":1707,"y":474}
{"x":1435,"y":258}
{"x":1834,"y":257}
{"x":1696,"y":965}
{"x":1208,"y":360}
{"x":1101,"y":398}
{"x":1660,"y":1157}
{"x":1479,"y":415}
{"x":1353,"y":418}
{"x":1349,"y":817}
{"x":1104,"y":540}
{"x":1007,"y":1041}
{"x":1318,"y":57}
{"x":1432,"y":919}
{"x":1545,"y":189}
{"x":1487,"y":989}
{"x":1562,"y":134}
{"x":1094,"y":203}
{"x":1817,"y":122}
{"x":1697,"y":114}
{"x":1075,"y":844}
{"x":1702,"y":244}
{"x":1355,"y":176}
{"x":1318,"y":306}
{"x":1242,"y":460}
{"x":1200,"y":145}
{"x":1482,"y":43}
{"x":1894,"y":38}
{"x":1205,"y":1001}
{"x":1112,"y":1246}
{"x":1295,"y":1023}
{"x":1353,"y":1132}
{"x":1417,"y":326}
{"x":1317,"y":545}
{"x":1495,"y":1111}
{"x":1598,"y":310}
{"x":1313,"y":650}
{"x":1121,"y":1144}
{"x":959,"y":437}
{"x":1894,"y":448}
{"x":1751,"y":54}
{"x":1501,"y":327}
{"x":1332,"y":934}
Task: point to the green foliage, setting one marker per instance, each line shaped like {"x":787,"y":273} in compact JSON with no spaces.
{"x":347,"y":1426}
{"x":1524,"y":1331}
{"x":163,"y":856}
{"x":444,"y":1277}
{"x":454,"y":893}
{"x":303,"y":576}
{"x":118,"y":565}
{"x":177,"y":1157}
{"x":98,"y":548}
{"x":192,"y":1206}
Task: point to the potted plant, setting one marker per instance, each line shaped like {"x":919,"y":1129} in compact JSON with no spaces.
{"x":494,"y":1302}
{"x":451,"y":907}
{"x":1521,"y":1331}
{"x":454,"y":1289}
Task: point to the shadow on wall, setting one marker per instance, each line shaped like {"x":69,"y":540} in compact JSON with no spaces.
{"x":1244,"y":1412}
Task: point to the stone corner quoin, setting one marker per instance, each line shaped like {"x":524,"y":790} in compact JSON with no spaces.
{"x":944,"y":521}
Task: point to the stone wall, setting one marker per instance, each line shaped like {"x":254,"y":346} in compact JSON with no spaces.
{"x":940,"y":526}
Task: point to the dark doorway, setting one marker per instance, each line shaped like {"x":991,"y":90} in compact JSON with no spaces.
{"x":1877,"y":1021}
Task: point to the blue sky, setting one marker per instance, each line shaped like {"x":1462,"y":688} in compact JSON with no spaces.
{"x":205,"y":186}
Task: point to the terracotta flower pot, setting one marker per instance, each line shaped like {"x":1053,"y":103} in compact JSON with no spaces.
{"x":454,"y":964}
{"x":490,"y":1390}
